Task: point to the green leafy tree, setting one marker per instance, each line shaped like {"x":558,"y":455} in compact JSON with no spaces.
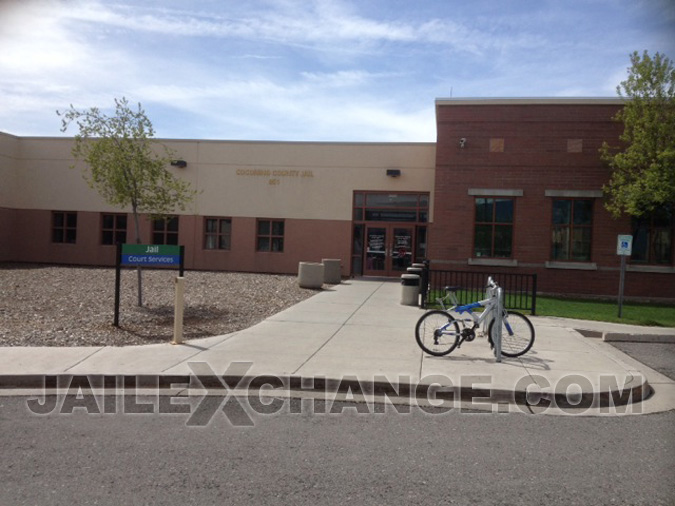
{"x":643,"y":168}
{"x":125,"y":165}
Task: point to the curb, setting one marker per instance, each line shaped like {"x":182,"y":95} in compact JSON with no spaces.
{"x":639,"y":338}
{"x":626,"y":337}
{"x":72,"y":384}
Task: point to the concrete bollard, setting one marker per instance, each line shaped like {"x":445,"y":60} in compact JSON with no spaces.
{"x":310,"y":275}
{"x":332,"y":271}
{"x":178,"y":311}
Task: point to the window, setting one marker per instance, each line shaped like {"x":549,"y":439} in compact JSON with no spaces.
{"x":270,"y":236}
{"x":653,"y":238}
{"x":357,"y":248}
{"x":113,"y":228}
{"x":400,"y":207}
{"x":64,"y":227}
{"x":217,"y":233}
{"x":493,"y":227}
{"x":572,"y":226}
{"x":165,"y":231}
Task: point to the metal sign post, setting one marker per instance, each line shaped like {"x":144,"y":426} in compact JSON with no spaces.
{"x":624,"y":248}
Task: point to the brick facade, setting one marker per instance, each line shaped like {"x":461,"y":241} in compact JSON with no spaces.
{"x":533,"y":151}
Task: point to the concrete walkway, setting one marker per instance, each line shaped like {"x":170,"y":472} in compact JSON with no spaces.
{"x":358,"y":338}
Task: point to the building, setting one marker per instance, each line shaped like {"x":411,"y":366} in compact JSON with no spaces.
{"x":511,"y":185}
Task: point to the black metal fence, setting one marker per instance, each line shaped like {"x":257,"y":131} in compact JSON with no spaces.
{"x":520,"y":290}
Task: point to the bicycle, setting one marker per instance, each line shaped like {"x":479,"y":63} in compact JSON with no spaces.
{"x":438,"y":333}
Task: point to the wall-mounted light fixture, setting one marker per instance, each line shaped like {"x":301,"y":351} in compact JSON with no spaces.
{"x":181,"y":164}
{"x":393,"y":172}
{"x":462,"y":142}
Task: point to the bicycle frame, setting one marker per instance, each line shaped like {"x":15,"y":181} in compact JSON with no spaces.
{"x":488,"y":304}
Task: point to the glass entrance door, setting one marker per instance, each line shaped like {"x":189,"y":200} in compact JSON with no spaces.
{"x":389,"y":250}
{"x":376,"y":251}
{"x":389,"y":232}
{"x":402,"y":248}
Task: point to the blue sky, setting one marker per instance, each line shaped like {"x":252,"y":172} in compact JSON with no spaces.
{"x":310,"y":70}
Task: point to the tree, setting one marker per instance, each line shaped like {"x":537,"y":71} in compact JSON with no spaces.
{"x":643,"y":168}
{"x":125,"y":165}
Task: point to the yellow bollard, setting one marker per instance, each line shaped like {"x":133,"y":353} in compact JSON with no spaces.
{"x":178,"y":311}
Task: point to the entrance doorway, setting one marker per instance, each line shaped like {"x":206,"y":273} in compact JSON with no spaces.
{"x":389,"y":249}
{"x":389,"y":232}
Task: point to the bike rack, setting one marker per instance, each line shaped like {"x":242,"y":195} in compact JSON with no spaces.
{"x":497,"y":339}
{"x":497,"y":293}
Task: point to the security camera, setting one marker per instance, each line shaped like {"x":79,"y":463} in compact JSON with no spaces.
{"x":462,"y":141}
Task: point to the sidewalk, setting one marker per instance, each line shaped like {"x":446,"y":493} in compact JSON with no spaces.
{"x":356,"y":334}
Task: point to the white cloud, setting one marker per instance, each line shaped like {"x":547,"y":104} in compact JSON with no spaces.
{"x":34,"y":40}
{"x":307,"y":70}
{"x":342,"y":78}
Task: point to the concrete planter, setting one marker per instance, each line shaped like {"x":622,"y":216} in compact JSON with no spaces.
{"x":332,"y":271}
{"x":310,"y":275}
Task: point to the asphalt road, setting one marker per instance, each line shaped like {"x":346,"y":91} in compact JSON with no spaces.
{"x":658,"y":356}
{"x":296,"y":457}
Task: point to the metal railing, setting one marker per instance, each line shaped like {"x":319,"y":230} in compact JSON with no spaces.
{"x":519,"y":290}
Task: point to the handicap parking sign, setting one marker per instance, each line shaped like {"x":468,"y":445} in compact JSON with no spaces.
{"x":624,"y":245}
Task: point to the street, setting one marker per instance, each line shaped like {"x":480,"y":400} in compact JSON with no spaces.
{"x":296,"y":457}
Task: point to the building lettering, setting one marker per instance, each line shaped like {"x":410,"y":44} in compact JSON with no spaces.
{"x":275,"y":176}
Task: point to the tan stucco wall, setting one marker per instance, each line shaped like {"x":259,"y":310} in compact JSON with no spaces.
{"x":9,"y":151}
{"x":238,"y":179}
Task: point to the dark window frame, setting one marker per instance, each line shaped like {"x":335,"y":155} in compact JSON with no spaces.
{"x":64,"y":227}
{"x":216,"y":237}
{"x":494,"y":225}
{"x":362,"y":209}
{"x":650,"y":226}
{"x":163,"y":232}
{"x":572,"y":227}
{"x":117,"y":232}
{"x":272,"y":240}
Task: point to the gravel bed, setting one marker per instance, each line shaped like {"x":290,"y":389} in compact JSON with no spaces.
{"x":43,"y":305}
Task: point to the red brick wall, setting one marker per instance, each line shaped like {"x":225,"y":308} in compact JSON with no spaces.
{"x":535,"y":159}
{"x":304,"y":241}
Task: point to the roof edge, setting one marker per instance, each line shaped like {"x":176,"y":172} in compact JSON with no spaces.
{"x":531,"y":101}
{"x":70,"y":138}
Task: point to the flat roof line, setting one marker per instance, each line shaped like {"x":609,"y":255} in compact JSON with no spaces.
{"x":238,"y":141}
{"x":529,"y":100}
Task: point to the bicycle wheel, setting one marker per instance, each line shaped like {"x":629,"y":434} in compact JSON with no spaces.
{"x":517,"y":334}
{"x":437,"y":333}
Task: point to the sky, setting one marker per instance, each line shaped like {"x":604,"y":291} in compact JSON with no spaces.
{"x":310,"y":70}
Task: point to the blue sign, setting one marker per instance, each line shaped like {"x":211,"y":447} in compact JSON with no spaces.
{"x":150,"y":260}
{"x":624,"y":245}
{"x":150,"y":254}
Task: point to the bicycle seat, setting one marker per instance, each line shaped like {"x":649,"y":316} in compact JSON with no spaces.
{"x":452,"y":288}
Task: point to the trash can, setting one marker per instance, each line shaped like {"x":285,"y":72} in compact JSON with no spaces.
{"x":332,"y":273}
{"x":418,"y":271}
{"x":310,"y":275}
{"x":410,"y":289}
{"x":415,"y":270}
